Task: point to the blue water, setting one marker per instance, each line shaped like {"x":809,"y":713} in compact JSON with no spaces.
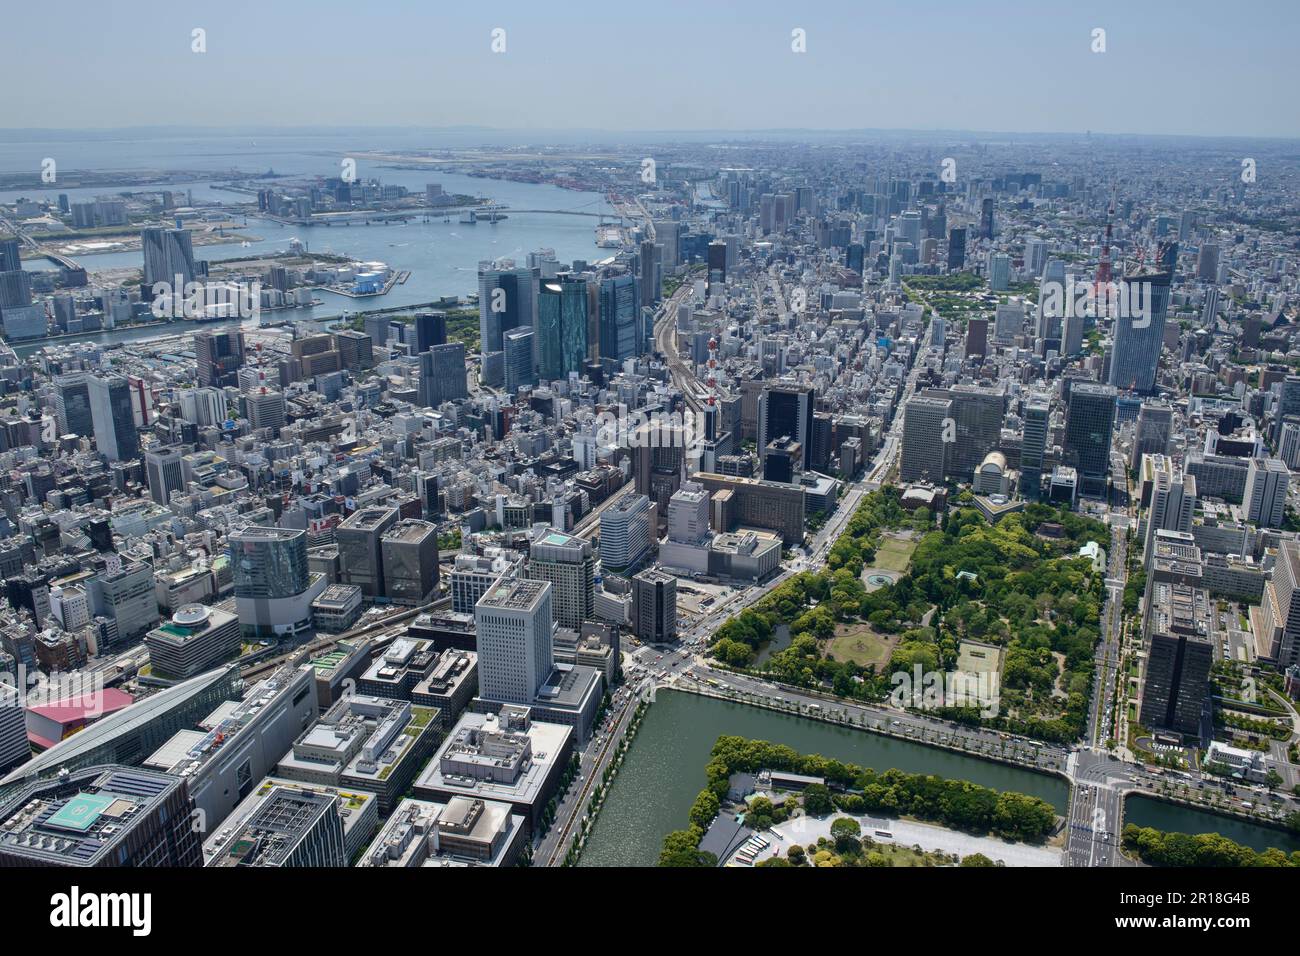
{"x":442,"y":257}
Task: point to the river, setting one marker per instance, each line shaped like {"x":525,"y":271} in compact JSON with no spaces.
{"x":664,"y":768}
{"x":1146,"y":812}
{"x":442,"y":257}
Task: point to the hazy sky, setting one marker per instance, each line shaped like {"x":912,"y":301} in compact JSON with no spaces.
{"x":1170,"y":66}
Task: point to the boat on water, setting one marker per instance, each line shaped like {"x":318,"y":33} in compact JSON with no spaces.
{"x":469,"y":218}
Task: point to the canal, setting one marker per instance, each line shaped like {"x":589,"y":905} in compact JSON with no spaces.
{"x":664,"y":769}
{"x":1146,"y":812}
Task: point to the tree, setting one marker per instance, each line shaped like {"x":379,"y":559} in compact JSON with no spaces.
{"x":817,"y":800}
{"x":704,"y":809}
{"x":847,"y":835}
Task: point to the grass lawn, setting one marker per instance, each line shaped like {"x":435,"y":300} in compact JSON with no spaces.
{"x":860,"y":644}
{"x":894,"y":554}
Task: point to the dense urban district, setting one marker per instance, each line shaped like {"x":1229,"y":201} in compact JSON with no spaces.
{"x":972,"y":455}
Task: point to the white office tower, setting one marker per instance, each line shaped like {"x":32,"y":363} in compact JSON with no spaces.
{"x":1289,"y":445}
{"x":14,"y":748}
{"x":1173,"y":501}
{"x":515,"y":643}
{"x":1035,"y":256}
{"x":203,"y":406}
{"x":687,"y":545}
{"x":625,"y":532}
{"x":1266,"y":487}
{"x":1053,"y":288}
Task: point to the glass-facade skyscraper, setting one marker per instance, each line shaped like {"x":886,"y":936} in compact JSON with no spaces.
{"x":620,"y":317}
{"x":561,"y":341}
{"x":269,"y":562}
{"x":1140,"y":330}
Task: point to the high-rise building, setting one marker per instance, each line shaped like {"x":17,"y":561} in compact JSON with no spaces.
{"x":977,"y":413}
{"x":654,"y":606}
{"x":518,"y":359}
{"x":1173,"y":502}
{"x":113,"y":417}
{"x":266,"y":409}
{"x":291,"y":827}
{"x":1176,"y":684}
{"x":1151,"y":436}
{"x":196,"y":639}
{"x":1267,"y":480}
{"x":507,"y":300}
{"x":72,"y":404}
{"x":1207,"y":262}
{"x":1035,"y":256}
{"x":652,"y":272}
{"x":1140,"y":330}
{"x":957,"y":249}
{"x":986,"y":219}
{"x":218,"y":355}
{"x":999,"y":272}
{"x":785,"y":410}
{"x":514,"y":625}
{"x":430,"y":330}
{"x":162,"y":468}
{"x":168,"y":257}
{"x":359,"y":539}
{"x":124,"y":592}
{"x":274,"y":587}
{"x":442,"y":374}
{"x":569,"y":564}
{"x":621,"y":335}
{"x":410,"y":558}
{"x":625,"y":532}
{"x":1089,"y":425}
{"x":561,"y":339}
{"x":14,"y":746}
{"x":926,"y":423}
{"x":1033,"y":446}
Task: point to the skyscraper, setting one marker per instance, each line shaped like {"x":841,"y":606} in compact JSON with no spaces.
{"x":162,"y":468}
{"x":1032,"y":448}
{"x":116,"y":437}
{"x":410,"y":557}
{"x":168,"y":257}
{"x":654,"y":606}
{"x":569,"y":564}
{"x":274,"y":587}
{"x":1140,"y":330}
{"x":218,"y":355}
{"x":785,"y":410}
{"x":507,"y":300}
{"x":620,"y":318}
{"x":925,"y":452}
{"x":518,"y":359}
{"x":1267,"y":480}
{"x":360,"y":550}
{"x":1173,"y":501}
{"x":514,"y":622}
{"x":442,"y":374}
{"x":957,"y":249}
{"x":625,"y":532}
{"x":561,"y":339}
{"x":1089,"y":424}
{"x":430,"y":330}
{"x":72,"y":404}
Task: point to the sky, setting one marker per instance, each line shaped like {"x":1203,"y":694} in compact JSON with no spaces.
{"x":1181,"y":67}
